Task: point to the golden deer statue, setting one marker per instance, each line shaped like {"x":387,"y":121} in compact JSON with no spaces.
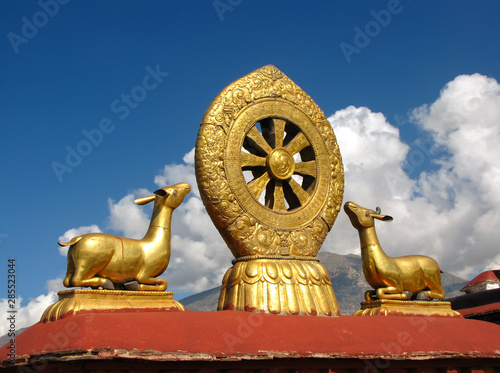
{"x":101,"y":260}
{"x":392,"y":278}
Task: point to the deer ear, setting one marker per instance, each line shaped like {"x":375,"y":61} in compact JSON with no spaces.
{"x":144,"y":200}
{"x":382,"y":217}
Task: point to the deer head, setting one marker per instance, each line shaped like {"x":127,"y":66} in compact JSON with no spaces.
{"x":362,"y":218}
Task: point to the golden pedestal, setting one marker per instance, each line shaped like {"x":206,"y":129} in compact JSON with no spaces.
{"x":286,"y":286}
{"x":80,"y":300}
{"x":390,"y":307}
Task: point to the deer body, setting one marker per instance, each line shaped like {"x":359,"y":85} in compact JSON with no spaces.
{"x":392,"y":277}
{"x":103,"y":260}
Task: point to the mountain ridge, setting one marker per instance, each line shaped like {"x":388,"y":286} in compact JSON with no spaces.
{"x":348,"y":282}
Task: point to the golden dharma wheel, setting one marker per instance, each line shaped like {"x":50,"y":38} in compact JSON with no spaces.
{"x":270,"y":175}
{"x":269,"y":167}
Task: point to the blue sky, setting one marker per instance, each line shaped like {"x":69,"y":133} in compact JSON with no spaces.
{"x":72,"y":72}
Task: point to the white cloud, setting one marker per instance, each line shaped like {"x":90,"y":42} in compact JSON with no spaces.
{"x":367,"y":140}
{"x":197,"y":265}
{"x":127,"y":217}
{"x":178,"y":173}
{"x":373,"y":155}
{"x":449,"y":213}
{"x":32,"y":312}
{"x":74,"y":232}
{"x":55,"y":285}
{"x":189,"y":157}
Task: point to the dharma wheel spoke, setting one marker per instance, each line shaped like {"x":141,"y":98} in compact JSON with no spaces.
{"x":298,"y":143}
{"x":279,"y":132}
{"x":258,"y":139}
{"x":306,"y":168}
{"x":256,"y":186}
{"x":301,"y":194}
{"x":279,"y":197}
{"x":250,"y":160}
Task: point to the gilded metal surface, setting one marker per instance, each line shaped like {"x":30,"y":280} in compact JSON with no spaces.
{"x":298,"y":286}
{"x":79,"y":300}
{"x":268,"y":167}
{"x":101,"y":260}
{"x":270,"y":175}
{"x":392,"y":277}
{"x":389,"y":307}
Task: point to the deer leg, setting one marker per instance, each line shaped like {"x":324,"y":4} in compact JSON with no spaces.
{"x":369,"y":294}
{"x":93,"y":282}
{"x":391,"y":292}
{"x":436,"y":295}
{"x":84,"y":277}
{"x":436,"y":290}
{"x":150,"y":284}
{"x":70,"y":270}
{"x":431,"y":294}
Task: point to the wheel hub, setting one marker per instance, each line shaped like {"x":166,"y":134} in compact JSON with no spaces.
{"x":280,"y":164}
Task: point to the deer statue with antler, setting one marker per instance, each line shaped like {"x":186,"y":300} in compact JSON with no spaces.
{"x":405,"y":277}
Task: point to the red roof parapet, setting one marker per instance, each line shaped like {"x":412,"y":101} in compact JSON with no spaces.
{"x":212,"y":339}
{"x":486,"y":280}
